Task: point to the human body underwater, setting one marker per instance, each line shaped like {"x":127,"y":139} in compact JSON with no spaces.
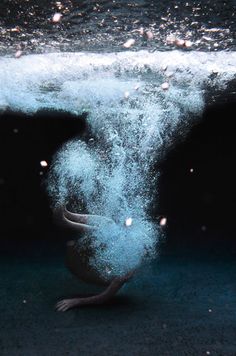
{"x":137,"y":101}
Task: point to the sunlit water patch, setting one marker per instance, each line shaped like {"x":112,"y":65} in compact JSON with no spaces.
{"x":136,"y":103}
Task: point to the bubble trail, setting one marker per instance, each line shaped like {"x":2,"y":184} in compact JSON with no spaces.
{"x":112,"y":175}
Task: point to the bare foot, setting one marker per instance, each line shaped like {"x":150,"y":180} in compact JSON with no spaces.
{"x":66,"y":304}
{"x":101,"y":298}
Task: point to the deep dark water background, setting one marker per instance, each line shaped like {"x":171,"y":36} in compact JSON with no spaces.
{"x":183,"y":304}
{"x":189,"y":200}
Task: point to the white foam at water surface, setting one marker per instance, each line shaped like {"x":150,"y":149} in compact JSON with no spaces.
{"x":49,"y":80}
{"x":113,"y":176}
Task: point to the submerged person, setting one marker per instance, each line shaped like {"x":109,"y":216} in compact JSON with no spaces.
{"x":78,"y":257}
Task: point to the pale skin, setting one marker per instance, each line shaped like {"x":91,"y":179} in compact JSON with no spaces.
{"x":77,"y":260}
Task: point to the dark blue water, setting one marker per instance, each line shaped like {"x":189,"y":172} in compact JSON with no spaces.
{"x":182,"y":305}
{"x":137,"y":48}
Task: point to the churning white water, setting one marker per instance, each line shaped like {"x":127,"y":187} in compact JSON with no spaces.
{"x":135,"y":102}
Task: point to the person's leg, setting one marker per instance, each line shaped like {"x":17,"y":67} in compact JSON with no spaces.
{"x":101,"y":298}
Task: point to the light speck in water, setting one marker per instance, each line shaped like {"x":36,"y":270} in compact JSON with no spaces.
{"x":56,"y":17}
{"x":18,"y":54}
{"x":43,"y":163}
{"x":108,"y":270}
{"x":126,"y":95}
{"x":128,"y":222}
{"x":163,"y":221}
{"x":165,"y":86}
{"x":129,"y":43}
{"x":188,"y":44}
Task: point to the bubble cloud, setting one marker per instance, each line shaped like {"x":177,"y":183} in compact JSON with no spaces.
{"x":112,"y":174}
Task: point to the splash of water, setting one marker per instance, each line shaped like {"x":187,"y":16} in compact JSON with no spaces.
{"x":131,"y":118}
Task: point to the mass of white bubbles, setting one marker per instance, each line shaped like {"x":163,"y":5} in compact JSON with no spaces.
{"x":131,"y":117}
{"x":112,"y":173}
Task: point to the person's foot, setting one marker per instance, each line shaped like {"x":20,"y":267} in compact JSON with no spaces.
{"x":101,"y":298}
{"x":66,"y":304}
